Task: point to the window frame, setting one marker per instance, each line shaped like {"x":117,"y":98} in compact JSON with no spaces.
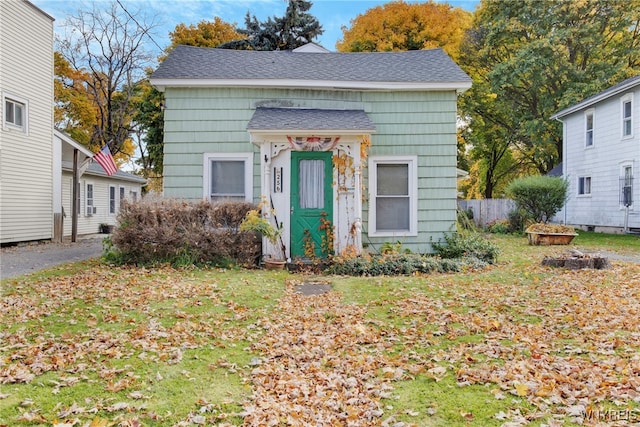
{"x":589,"y":132}
{"x":584,"y":183}
{"x":627,"y":99}
{"x":24,"y":104}
{"x":623,"y":168}
{"x":412,"y":165}
{"x":246,"y":157}
{"x":112,"y":197}
{"x":89,"y":198}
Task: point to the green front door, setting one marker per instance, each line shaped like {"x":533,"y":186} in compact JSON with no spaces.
{"x":311,"y":203}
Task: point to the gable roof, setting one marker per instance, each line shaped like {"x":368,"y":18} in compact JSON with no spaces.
{"x":588,"y":102}
{"x":298,"y":119}
{"x":188,"y":66}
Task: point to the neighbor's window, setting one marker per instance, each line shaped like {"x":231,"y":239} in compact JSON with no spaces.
{"x":394,"y":187}
{"x":89,"y":199}
{"x":112,"y":199}
{"x":588,"y":137}
{"x":121,"y":196}
{"x":584,"y":185}
{"x":627,"y":117}
{"x":228,"y":176}
{"x":626,"y":190}
{"x":15,"y":113}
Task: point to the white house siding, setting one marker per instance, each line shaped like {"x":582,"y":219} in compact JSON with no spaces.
{"x":602,"y":162}
{"x":26,"y":73}
{"x":90,"y":224}
{"x":214,"y":120}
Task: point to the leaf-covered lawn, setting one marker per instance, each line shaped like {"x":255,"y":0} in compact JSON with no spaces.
{"x":515,"y":344}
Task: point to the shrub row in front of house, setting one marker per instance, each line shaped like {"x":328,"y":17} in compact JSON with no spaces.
{"x":155,"y":231}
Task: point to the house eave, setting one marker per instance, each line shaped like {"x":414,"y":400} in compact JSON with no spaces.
{"x":458,"y":86}
{"x":589,"y":102}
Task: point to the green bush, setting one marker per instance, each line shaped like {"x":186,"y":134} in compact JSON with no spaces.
{"x":499,"y":226}
{"x":396,"y":264}
{"x":541,"y":197}
{"x":467,"y":245}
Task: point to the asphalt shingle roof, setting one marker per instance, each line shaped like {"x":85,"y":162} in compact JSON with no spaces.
{"x":422,"y":66}
{"x":309,"y":119}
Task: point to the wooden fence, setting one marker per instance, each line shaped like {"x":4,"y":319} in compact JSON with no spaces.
{"x":486,"y":211}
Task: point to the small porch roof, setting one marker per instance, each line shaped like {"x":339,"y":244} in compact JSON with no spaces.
{"x":316,"y":121}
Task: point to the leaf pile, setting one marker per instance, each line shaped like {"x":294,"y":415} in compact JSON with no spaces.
{"x":321,"y":363}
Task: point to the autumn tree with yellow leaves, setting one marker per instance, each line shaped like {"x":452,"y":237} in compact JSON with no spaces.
{"x":399,"y":26}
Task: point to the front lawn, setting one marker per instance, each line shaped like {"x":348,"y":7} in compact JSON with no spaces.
{"x":513,"y":344}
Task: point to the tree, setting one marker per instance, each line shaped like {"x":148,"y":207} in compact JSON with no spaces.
{"x":204,"y":34}
{"x":296,"y":28}
{"x":530,"y":58}
{"x":398,"y":26}
{"x":106,"y":47}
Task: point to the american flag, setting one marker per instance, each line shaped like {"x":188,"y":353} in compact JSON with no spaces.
{"x":105,"y":159}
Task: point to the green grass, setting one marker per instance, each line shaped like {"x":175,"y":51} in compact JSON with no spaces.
{"x":161,"y":346}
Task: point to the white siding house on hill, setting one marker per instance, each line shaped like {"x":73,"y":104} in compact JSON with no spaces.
{"x":26,"y":134}
{"x":349,"y":148}
{"x":601,"y":157}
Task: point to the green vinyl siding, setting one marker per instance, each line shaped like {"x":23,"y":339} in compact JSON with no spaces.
{"x":214,"y":120}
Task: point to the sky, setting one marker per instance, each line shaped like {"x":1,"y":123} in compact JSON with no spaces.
{"x":332,"y":14}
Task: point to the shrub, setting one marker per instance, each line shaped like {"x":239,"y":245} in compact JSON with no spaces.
{"x":467,"y":245}
{"x":499,"y":226}
{"x":519,"y":219}
{"x":539,"y":196}
{"x":396,"y":264}
{"x":182,"y":233}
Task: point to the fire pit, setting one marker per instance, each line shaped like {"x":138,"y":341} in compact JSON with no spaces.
{"x":576,"y":260}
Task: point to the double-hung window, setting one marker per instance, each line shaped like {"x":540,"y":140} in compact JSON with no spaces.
{"x":588,"y":135}
{"x":626,"y":186}
{"x":393,"y":184}
{"x":15,"y":113}
{"x":112,"y":199}
{"x":584,"y":186}
{"x":228,"y":176}
{"x":89,"y":200}
{"x":627,"y":116}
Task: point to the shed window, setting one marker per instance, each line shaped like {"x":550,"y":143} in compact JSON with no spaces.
{"x":228,"y":176}
{"x":393,"y":186}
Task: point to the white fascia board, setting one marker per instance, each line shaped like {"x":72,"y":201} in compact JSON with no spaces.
{"x":458,"y":86}
{"x":72,"y":142}
{"x":593,"y":100}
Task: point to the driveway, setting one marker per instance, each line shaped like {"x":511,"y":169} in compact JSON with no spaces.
{"x":31,"y":257}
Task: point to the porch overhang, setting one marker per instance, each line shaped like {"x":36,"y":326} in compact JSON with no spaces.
{"x":308,"y":122}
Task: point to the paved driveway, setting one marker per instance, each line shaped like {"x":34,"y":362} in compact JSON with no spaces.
{"x":28,"y":258}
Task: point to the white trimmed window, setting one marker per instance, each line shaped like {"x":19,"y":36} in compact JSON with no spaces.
{"x":90,"y":208}
{"x":627,"y":116}
{"x":228,"y":176}
{"x":112,"y":199}
{"x":15,"y":113}
{"x":626,"y":185}
{"x":588,"y":131}
{"x":393,"y":186}
{"x":121,"y":196}
{"x":584,"y":186}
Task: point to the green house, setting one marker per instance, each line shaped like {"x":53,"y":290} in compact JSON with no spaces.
{"x":346,"y":150}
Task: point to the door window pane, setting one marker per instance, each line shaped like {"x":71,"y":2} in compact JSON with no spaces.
{"x":311,"y":184}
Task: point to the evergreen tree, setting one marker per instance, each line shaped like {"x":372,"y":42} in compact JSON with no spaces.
{"x":296,"y":28}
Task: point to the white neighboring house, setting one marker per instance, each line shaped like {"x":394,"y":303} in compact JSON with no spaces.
{"x":601,"y":155}
{"x":26,"y":133}
{"x":99,"y":195}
